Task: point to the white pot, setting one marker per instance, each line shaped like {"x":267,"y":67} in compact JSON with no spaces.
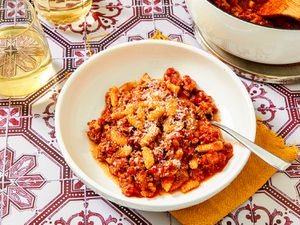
{"x":244,"y":39}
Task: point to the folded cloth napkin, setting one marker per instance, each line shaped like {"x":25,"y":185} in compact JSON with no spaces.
{"x":254,"y":175}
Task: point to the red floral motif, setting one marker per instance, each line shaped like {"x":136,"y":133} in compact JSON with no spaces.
{"x":12,"y":115}
{"x":152,"y":6}
{"x":80,"y":55}
{"x":255,"y":216}
{"x":234,"y":218}
{"x":268,"y":108}
{"x":13,"y":6}
{"x":77,"y":185}
{"x":49,"y":111}
{"x":17,"y":181}
{"x":92,"y":218}
{"x":96,"y":218}
{"x":274,"y":218}
{"x":78,"y":218}
{"x":3,"y":117}
{"x":99,"y":17}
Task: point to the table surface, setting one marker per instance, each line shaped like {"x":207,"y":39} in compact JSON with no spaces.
{"x":37,"y":186}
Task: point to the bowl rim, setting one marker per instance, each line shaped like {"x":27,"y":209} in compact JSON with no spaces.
{"x":131,"y":201}
{"x":251,"y":23}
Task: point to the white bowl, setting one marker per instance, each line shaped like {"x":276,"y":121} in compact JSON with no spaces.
{"x":82,"y":99}
{"x":244,"y":39}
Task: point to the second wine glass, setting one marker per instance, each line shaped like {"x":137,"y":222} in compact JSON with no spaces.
{"x":63,"y":11}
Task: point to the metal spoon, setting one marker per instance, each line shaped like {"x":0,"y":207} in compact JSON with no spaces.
{"x":268,"y":157}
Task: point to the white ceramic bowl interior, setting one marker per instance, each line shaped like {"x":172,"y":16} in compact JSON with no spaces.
{"x":82,"y":99}
{"x":244,"y":39}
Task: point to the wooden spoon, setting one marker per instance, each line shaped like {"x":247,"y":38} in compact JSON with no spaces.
{"x":290,"y":8}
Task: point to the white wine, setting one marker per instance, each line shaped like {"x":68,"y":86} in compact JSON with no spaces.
{"x":25,"y":61}
{"x":63,"y":11}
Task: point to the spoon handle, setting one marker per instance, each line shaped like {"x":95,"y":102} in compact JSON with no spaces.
{"x":268,"y":157}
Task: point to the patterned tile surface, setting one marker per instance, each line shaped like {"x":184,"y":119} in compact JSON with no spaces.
{"x":37,"y":186}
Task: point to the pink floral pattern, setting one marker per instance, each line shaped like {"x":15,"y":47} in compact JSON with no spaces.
{"x":78,"y":217}
{"x":91,"y":218}
{"x":10,"y":116}
{"x":99,"y":17}
{"x":49,"y":114}
{"x":257,"y":214}
{"x":17,"y":181}
{"x":266,"y":106}
{"x":97,"y":218}
{"x":81,"y":55}
{"x":272,"y":218}
{"x":15,"y":8}
{"x":151,"y":6}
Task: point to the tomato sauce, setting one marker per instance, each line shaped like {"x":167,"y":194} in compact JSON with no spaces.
{"x":249,"y":10}
{"x":155,"y":136}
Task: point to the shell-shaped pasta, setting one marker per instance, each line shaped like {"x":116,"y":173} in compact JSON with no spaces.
{"x":171,"y":107}
{"x":153,"y":131}
{"x":167,"y":182}
{"x":193,"y":163}
{"x":148,"y":157}
{"x":214,"y":146}
{"x":118,"y":138}
{"x":124,"y":151}
{"x":117,"y":115}
{"x":156,"y":113}
{"x":128,"y":86}
{"x":149,"y":104}
{"x":167,"y":127}
{"x":191,"y":122}
{"x":191,"y":184}
{"x":146,"y":77}
{"x":170,"y":126}
{"x":172,"y":87}
{"x":140,"y":113}
{"x":135,"y":122}
{"x":179,"y":154}
{"x":114,"y":95}
{"x":129,"y":110}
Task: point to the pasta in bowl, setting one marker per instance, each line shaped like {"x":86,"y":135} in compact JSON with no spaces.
{"x":154,"y":135}
{"x":82,"y":99}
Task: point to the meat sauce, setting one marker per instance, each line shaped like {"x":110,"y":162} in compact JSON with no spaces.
{"x":155,"y":136}
{"x":249,"y":10}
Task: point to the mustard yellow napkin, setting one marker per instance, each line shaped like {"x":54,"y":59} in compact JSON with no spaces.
{"x":254,"y":175}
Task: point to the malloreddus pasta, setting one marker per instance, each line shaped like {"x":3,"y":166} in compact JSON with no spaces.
{"x":155,"y":135}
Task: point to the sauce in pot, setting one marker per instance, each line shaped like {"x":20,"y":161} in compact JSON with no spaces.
{"x":249,"y":10}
